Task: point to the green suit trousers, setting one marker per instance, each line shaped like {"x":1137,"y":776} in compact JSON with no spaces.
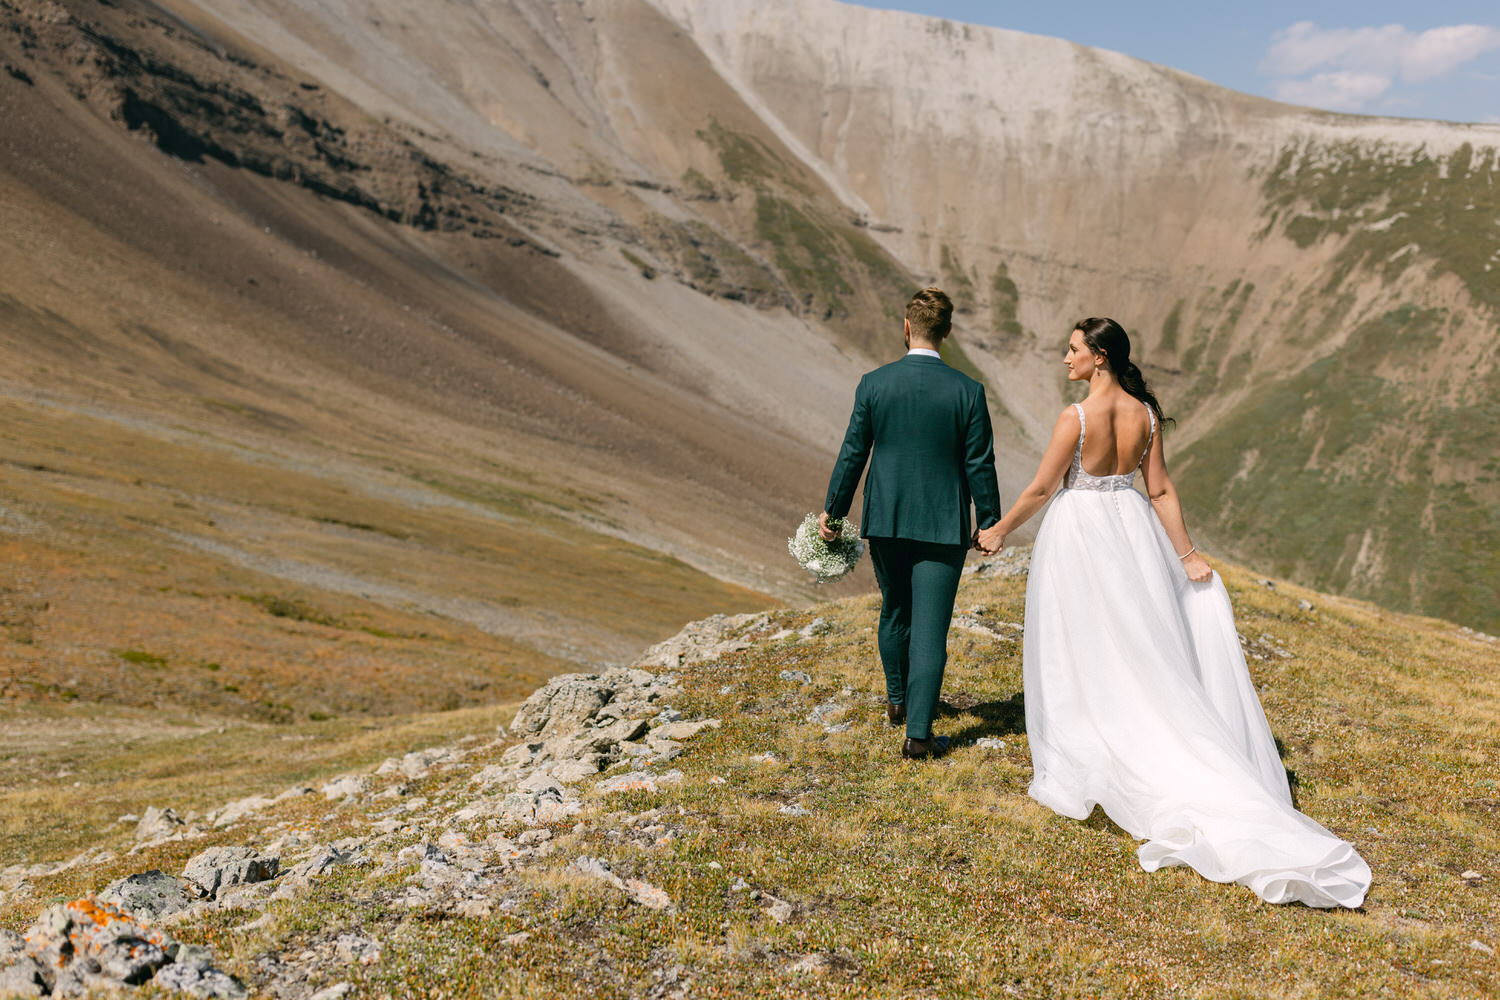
{"x":918,"y":582}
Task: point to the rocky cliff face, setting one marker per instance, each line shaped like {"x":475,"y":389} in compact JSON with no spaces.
{"x":652,"y":243}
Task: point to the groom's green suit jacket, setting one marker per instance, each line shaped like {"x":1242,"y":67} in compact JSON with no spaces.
{"x":933,"y":452}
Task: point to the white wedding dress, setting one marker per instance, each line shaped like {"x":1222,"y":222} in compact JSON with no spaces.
{"x":1138,"y":700}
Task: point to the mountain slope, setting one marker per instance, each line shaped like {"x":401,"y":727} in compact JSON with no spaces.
{"x":1293,"y":279}
{"x":638,"y":253}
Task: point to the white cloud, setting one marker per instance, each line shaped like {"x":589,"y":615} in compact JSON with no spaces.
{"x":1334,"y":91}
{"x":1346,"y":68}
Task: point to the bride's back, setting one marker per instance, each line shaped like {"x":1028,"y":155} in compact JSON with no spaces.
{"x":1117,"y":428}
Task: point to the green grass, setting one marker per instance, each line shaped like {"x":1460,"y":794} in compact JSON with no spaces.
{"x":647,"y":271}
{"x":747,"y":160}
{"x":278,"y":606}
{"x":1171,"y":327}
{"x":944,"y":878}
{"x":960,"y":286}
{"x":837,"y":270}
{"x":1447,"y":206}
{"x":1313,"y":470}
{"x":141,"y":658}
{"x":1005,"y":298}
{"x":716,"y":266}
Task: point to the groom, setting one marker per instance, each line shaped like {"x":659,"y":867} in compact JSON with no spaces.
{"x":933,"y":452}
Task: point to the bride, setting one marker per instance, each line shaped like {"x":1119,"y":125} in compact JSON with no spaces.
{"x":1137,"y":694}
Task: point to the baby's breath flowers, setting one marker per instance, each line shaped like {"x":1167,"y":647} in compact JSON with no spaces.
{"x":826,"y":561}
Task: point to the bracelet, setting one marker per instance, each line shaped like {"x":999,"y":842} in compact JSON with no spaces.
{"x":1188,"y":552}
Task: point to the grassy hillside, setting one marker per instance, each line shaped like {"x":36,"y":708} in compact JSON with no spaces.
{"x":801,"y":858}
{"x":1369,"y":468}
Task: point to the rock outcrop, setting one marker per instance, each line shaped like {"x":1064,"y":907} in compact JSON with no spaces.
{"x":573,"y":728}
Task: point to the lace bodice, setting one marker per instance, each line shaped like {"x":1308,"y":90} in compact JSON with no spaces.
{"x":1080,"y":480}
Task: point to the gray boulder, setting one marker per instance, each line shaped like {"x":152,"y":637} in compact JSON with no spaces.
{"x":219,"y":867}
{"x":147,"y":896}
{"x":563,"y":705}
{"x":570,"y":702}
{"x":89,"y":945}
{"x":703,"y":641}
{"x":21,"y":976}
{"x":200,"y":979}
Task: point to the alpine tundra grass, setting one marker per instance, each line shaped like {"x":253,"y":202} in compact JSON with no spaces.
{"x":801,"y":856}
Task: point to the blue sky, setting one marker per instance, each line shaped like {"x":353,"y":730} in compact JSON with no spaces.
{"x":1439,"y":59}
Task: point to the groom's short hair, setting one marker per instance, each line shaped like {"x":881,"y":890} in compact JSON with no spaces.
{"x":930,"y":312}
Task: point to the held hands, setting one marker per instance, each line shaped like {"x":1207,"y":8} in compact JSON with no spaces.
{"x":828,"y":534}
{"x":989,"y":540}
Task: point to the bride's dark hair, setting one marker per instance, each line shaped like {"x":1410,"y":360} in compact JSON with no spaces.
{"x":1105,"y":336}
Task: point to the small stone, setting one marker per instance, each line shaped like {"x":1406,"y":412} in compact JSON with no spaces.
{"x":814,"y":628}
{"x":1479,"y":945}
{"x":796,"y":676}
{"x":638,"y":781}
{"x":475,"y":909}
{"x":794,"y":809}
{"x":200,"y":980}
{"x":335,"y":992}
{"x":717,"y":780}
{"x":764,"y":758}
{"x":518,"y":938}
{"x":323,"y":859}
{"x":826,"y":711}
{"x":821,"y":963}
{"x":129,"y":818}
{"x":1305,"y":604}
{"x":346,"y":787}
{"x":778,"y":910}
{"x":1268,"y":584}
{"x":357,"y":948}
{"x":715,"y":866}
{"x":238,"y":810}
{"x":989,"y":743}
{"x":739,"y":885}
{"x":838,"y":727}
{"x":640,"y":891}
{"x":571,"y":771}
{"x":683,"y":730}
{"x":157,"y":824}
{"x":540,"y":783}
{"x":1472,"y":876}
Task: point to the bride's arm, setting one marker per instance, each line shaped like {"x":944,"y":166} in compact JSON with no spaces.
{"x":1049,"y":474}
{"x":1169,"y":510}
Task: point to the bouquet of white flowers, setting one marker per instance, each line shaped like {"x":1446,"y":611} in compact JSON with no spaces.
{"x":826,"y":561}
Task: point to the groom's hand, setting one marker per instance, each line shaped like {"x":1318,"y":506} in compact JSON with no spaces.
{"x":991,"y":540}
{"x":829,"y":534}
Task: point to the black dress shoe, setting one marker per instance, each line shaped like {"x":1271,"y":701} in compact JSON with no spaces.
{"x":933,"y":746}
{"x":895,"y":712}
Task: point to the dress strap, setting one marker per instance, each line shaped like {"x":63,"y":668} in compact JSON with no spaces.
{"x":1079,"y":408}
{"x":1149,"y":435}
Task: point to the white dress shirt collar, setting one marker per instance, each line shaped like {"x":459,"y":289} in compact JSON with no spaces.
{"x":927,"y":351}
